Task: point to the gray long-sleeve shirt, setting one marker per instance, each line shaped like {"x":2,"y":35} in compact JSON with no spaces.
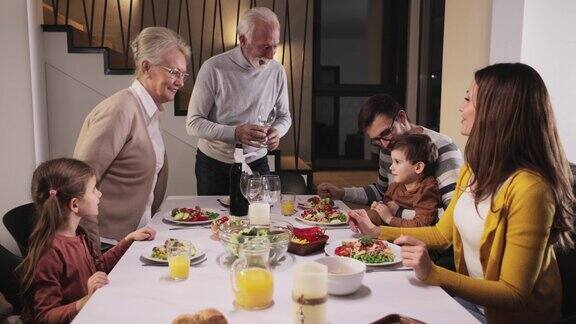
{"x":229,"y":92}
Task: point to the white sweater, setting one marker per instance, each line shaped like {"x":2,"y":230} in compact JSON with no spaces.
{"x":229,"y":92}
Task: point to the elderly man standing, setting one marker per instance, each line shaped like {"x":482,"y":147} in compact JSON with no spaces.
{"x":231,"y":91}
{"x":121,"y":138}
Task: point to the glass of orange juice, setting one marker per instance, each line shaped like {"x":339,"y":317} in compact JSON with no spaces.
{"x":250,"y":274}
{"x":287,"y":205}
{"x":179,"y":260}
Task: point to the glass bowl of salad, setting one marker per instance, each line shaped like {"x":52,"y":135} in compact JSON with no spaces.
{"x":279,"y":234}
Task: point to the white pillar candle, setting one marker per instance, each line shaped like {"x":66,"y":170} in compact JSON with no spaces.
{"x":309,"y":280}
{"x":259,"y":213}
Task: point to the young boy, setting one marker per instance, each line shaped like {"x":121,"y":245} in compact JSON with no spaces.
{"x":413,"y":198}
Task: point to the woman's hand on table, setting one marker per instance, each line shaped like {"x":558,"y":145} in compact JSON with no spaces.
{"x":415,"y":255}
{"x":141,"y":234}
{"x":360,"y":223}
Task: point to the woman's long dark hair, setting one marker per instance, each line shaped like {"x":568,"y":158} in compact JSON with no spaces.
{"x":54,"y":184}
{"x":514,"y":128}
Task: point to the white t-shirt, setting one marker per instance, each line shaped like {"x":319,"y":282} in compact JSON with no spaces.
{"x":470,"y":225}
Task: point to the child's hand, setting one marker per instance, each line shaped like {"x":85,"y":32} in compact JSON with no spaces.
{"x":393,"y":207}
{"x":382,"y":210}
{"x":141,"y":234}
{"x":96,"y":281}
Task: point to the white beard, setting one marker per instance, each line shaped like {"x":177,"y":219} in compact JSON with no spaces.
{"x":255,"y":62}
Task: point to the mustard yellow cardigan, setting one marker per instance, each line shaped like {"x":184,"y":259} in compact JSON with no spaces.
{"x":522,"y":281}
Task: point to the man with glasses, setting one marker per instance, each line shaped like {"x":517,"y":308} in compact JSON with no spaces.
{"x":234,"y":94}
{"x":383,"y":120}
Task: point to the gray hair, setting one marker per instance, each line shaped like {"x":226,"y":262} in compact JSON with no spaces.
{"x":250,"y":17}
{"x":152,"y":42}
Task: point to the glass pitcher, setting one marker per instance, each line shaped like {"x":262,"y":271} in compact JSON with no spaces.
{"x":250,"y":275}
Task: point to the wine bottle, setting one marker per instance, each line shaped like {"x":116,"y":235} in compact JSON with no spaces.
{"x":238,"y":203}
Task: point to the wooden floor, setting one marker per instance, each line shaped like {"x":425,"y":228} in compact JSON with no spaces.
{"x":346,"y":178}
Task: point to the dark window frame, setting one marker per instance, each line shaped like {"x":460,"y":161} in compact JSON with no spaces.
{"x":397,"y":26}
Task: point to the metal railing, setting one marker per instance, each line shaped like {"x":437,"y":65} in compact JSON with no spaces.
{"x":209,"y":26}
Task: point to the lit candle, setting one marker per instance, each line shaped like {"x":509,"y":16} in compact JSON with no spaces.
{"x":309,"y":293}
{"x":259,"y":213}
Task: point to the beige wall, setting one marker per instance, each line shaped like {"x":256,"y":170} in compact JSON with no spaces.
{"x":466,"y":49}
{"x":16,"y":116}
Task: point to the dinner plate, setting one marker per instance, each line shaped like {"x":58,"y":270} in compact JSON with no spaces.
{"x":307,"y":206}
{"x":168,"y":218}
{"x":225,"y":201}
{"x":309,"y":222}
{"x":331,"y":248}
{"x":148,"y":255}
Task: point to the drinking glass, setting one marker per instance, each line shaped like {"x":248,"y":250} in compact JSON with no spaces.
{"x":244,"y":181}
{"x":179,"y":260}
{"x":254,"y":189}
{"x":309,"y":293}
{"x":271,"y":188}
{"x":287,"y":204}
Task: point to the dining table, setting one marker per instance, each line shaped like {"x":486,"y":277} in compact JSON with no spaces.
{"x":142,"y":292}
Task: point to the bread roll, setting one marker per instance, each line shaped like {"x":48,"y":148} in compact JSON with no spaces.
{"x":205,"y":316}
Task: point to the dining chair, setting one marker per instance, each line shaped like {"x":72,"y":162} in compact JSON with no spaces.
{"x":20,"y":222}
{"x":9,"y":283}
{"x":567,"y":266}
{"x":293,"y":182}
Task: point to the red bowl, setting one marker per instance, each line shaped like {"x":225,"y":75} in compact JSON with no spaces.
{"x":308,"y":248}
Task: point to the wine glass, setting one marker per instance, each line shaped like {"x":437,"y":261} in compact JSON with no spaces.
{"x":271,"y":188}
{"x":267,"y":121}
{"x":244,"y":181}
{"x":254,"y":189}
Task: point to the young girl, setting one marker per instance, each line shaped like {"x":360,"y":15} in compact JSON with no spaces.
{"x":62,"y":270}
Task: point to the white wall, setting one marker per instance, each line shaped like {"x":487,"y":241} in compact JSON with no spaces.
{"x":76,"y":83}
{"x":549,"y":45}
{"x":542,"y":34}
{"x":16,"y":113}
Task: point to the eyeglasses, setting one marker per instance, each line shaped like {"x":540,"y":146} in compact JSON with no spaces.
{"x":385,"y":135}
{"x":175,"y":73}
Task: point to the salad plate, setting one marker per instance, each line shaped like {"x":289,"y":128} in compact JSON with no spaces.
{"x":316,"y":203}
{"x":372,"y":252}
{"x":323,"y":217}
{"x":158,"y":253}
{"x":191,"y":216}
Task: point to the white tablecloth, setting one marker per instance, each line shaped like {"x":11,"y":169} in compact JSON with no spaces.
{"x":139,"y":293}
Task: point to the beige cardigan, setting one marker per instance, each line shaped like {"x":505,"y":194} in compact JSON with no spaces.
{"x":114,"y":141}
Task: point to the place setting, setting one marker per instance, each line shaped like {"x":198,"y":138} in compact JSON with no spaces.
{"x":190,"y":218}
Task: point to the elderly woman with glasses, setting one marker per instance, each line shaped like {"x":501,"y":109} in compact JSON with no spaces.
{"x":121,"y":138}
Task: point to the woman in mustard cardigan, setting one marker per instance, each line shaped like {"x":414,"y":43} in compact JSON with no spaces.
{"x":512,"y":204}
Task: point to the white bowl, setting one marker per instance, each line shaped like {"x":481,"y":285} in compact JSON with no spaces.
{"x":344,"y":274}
